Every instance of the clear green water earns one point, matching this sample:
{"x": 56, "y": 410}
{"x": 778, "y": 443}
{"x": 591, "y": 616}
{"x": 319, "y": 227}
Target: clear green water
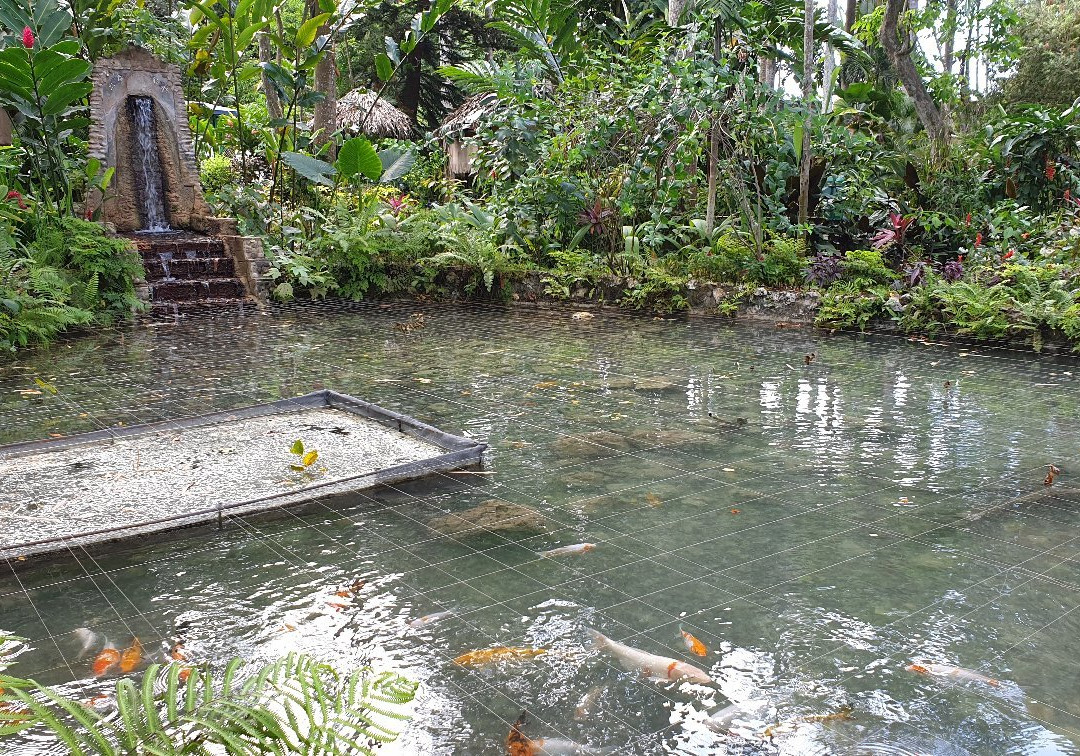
{"x": 865, "y": 517}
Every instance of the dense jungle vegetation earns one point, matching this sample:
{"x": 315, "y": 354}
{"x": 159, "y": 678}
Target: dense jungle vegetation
{"x": 910, "y": 161}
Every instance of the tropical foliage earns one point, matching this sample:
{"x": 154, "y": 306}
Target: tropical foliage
{"x": 293, "y": 705}
{"x": 636, "y": 150}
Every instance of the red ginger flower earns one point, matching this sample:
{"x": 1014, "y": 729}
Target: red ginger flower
{"x": 1009, "y": 254}
{"x": 27, "y": 37}
{"x": 1051, "y": 170}
{"x": 18, "y": 197}
{"x": 978, "y": 239}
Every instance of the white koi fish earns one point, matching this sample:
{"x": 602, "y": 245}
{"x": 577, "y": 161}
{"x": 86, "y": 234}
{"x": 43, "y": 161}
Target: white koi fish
{"x": 577, "y": 548}
{"x": 721, "y": 721}
{"x": 651, "y": 665}
{"x": 955, "y": 673}
{"x": 430, "y": 619}
{"x": 586, "y": 706}
{"x": 88, "y": 638}
{"x": 518, "y": 744}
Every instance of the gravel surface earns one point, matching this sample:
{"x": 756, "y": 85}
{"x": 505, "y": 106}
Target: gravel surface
{"x": 164, "y": 473}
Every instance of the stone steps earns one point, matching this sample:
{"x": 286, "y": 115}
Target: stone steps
{"x": 188, "y": 274}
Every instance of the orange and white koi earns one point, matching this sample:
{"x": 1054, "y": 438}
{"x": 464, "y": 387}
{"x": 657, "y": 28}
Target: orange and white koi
{"x": 651, "y": 665}
{"x": 518, "y": 744}
{"x": 430, "y": 619}
{"x": 693, "y": 645}
{"x": 951, "y": 672}
{"x": 497, "y": 654}
{"x": 106, "y": 659}
{"x": 131, "y": 656}
{"x": 577, "y": 548}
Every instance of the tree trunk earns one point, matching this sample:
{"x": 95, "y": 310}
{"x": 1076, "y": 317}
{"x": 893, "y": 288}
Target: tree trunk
{"x": 832, "y": 16}
{"x": 324, "y": 122}
{"x": 950, "y": 36}
{"x": 409, "y": 100}
{"x": 851, "y": 15}
{"x": 766, "y": 71}
{"x": 714, "y": 147}
{"x": 899, "y": 54}
{"x": 808, "y": 103}
{"x": 675, "y": 10}
{"x": 273, "y": 102}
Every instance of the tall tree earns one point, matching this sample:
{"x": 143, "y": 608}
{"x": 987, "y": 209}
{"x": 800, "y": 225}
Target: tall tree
{"x": 850, "y": 15}
{"x": 808, "y": 103}
{"x": 899, "y": 52}
{"x": 324, "y": 122}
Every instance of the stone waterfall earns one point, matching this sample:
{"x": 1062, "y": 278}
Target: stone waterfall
{"x": 147, "y": 160}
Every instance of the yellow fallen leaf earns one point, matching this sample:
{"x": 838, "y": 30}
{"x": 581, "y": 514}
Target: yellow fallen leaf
{"x": 309, "y": 459}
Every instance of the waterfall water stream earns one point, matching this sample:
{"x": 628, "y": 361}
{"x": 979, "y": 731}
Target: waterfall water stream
{"x": 148, "y": 165}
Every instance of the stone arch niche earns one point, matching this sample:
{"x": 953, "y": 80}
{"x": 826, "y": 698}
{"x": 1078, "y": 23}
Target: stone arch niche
{"x": 136, "y": 73}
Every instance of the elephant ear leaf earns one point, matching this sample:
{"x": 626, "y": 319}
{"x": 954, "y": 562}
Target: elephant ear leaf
{"x": 358, "y": 157}
{"x": 396, "y": 164}
{"x": 313, "y": 169}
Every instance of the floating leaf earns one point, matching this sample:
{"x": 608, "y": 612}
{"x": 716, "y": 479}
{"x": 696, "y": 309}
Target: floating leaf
{"x": 309, "y": 459}
{"x": 297, "y": 447}
{"x": 45, "y": 385}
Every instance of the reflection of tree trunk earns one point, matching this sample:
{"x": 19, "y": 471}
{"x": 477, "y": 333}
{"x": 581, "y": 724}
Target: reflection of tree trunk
{"x": 273, "y": 102}
{"x": 325, "y": 117}
{"x": 900, "y": 57}
{"x": 808, "y": 103}
{"x": 409, "y": 100}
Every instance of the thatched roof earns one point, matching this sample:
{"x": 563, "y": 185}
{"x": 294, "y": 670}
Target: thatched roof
{"x": 465, "y": 116}
{"x": 385, "y": 120}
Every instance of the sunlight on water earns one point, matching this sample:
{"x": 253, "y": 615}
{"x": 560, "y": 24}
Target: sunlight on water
{"x": 820, "y": 512}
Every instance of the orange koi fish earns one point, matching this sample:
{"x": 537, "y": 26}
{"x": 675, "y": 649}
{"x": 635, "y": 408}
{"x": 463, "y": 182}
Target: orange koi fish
{"x": 106, "y": 659}
{"x": 843, "y": 715}
{"x": 131, "y": 657}
{"x": 497, "y": 654}
{"x": 177, "y": 653}
{"x": 1053, "y": 473}
{"x": 693, "y": 645}
{"x": 955, "y": 673}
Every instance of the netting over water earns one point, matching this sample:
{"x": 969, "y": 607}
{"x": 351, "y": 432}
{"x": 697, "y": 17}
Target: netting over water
{"x": 819, "y": 527}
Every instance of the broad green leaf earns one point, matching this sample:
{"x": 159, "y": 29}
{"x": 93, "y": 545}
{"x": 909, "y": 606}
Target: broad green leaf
{"x": 797, "y": 140}
{"x": 63, "y": 97}
{"x": 297, "y": 447}
{"x": 70, "y": 70}
{"x": 310, "y": 168}
{"x": 395, "y": 164}
{"x": 358, "y": 157}
{"x": 309, "y": 30}
{"x": 384, "y": 67}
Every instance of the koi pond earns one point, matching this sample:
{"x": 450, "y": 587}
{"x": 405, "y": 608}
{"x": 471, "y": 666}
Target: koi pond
{"x": 862, "y": 534}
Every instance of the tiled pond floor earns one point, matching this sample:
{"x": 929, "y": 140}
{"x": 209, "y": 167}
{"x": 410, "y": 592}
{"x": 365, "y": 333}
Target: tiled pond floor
{"x": 820, "y": 511}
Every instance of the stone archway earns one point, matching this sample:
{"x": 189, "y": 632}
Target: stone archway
{"x": 137, "y": 73}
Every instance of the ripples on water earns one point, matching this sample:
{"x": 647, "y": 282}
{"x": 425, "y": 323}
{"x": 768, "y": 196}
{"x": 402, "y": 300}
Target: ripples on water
{"x": 865, "y": 516}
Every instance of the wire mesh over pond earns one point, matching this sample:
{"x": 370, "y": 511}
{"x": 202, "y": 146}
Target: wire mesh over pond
{"x": 856, "y": 529}
{"x": 126, "y": 482}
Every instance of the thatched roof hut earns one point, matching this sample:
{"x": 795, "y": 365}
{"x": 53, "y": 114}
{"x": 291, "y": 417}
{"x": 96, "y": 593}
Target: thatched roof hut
{"x": 459, "y": 124}
{"x": 385, "y": 120}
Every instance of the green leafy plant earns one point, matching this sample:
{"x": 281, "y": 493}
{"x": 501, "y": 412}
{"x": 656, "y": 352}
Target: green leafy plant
{"x": 44, "y": 80}
{"x": 293, "y": 705}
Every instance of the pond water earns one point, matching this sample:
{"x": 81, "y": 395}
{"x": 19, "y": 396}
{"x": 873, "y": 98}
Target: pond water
{"x": 818, "y": 527}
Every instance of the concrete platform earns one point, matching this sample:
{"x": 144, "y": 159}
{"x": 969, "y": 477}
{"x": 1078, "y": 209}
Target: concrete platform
{"x": 128, "y": 482}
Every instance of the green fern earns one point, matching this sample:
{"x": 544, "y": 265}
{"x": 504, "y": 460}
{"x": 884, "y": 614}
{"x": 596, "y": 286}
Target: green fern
{"x": 294, "y": 705}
